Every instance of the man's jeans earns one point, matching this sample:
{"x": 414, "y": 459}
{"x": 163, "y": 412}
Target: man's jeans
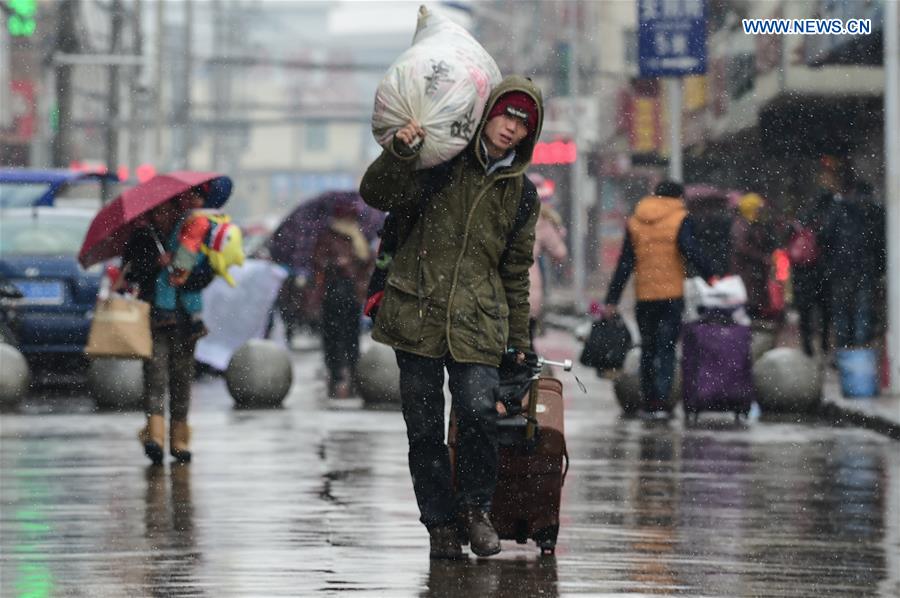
{"x": 852, "y": 312}
{"x": 422, "y": 394}
{"x": 659, "y": 323}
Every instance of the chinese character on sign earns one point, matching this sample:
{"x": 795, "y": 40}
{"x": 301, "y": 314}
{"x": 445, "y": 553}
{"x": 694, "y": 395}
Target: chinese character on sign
{"x": 671, "y": 37}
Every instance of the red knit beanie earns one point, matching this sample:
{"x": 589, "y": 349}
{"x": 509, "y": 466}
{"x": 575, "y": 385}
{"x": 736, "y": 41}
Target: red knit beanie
{"x": 519, "y": 104}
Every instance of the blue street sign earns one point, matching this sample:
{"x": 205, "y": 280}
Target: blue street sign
{"x": 671, "y": 37}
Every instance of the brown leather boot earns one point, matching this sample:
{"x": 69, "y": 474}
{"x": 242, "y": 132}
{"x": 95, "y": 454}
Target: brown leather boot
{"x": 444, "y": 543}
{"x": 153, "y": 438}
{"x": 180, "y": 441}
{"x": 482, "y": 536}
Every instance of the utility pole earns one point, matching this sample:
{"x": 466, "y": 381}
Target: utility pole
{"x": 892, "y": 182}
{"x": 67, "y": 43}
{"x": 158, "y": 78}
{"x": 137, "y": 95}
{"x": 577, "y": 168}
{"x": 676, "y": 172}
{"x": 111, "y": 132}
{"x": 218, "y": 19}
{"x": 5, "y": 77}
{"x": 182, "y": 133}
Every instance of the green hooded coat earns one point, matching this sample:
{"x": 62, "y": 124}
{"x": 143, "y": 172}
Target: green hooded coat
{"x": 459, "y": 281}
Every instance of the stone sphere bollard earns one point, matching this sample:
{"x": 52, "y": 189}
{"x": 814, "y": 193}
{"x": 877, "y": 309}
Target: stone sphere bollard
{"x": 259, "y": 374}
{"x": 761, "y": 341}
{"x": 787, "y": 380}
{"x": 116, "y": 383}
{"x": 627, "y": 383}
{"x": 378, "y": 376}
{"x": 14, "y": 375}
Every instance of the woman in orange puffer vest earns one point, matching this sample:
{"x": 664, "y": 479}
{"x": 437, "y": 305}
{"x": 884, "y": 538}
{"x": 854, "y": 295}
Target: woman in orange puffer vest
{"x": 658, "y": 239}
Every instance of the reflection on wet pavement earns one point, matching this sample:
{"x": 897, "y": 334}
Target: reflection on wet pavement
{"x": 492, "y": 577}
{"x": 315, "y": 498}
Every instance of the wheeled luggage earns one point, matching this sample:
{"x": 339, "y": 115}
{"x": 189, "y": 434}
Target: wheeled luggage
{"x": 716, "y": 367}
{"x": 533, "y": 462}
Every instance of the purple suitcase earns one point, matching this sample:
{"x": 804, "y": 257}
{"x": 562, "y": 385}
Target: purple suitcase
{"x": 716, "y": 368}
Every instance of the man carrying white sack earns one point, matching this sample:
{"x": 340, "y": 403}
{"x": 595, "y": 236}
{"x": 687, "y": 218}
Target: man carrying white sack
{"x": 457, "y": 299}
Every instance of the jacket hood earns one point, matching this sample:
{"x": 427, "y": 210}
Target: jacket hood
{"x": 654, "y": 208}
{"x": 525, "y": 149}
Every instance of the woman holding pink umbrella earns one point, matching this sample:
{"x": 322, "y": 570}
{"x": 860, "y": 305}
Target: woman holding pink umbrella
{"x": 142, "y": 226}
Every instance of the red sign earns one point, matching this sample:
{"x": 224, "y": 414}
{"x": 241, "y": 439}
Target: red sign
{"x": 24, "y": 110}
{"x": 555, "y": 152}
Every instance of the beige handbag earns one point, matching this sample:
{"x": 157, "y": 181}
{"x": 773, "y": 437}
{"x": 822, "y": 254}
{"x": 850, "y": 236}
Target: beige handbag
{"x": 120, "y": 328}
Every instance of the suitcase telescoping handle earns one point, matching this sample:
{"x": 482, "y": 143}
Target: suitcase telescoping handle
{"x": 566, "y": 364}
{"x": 534, "y": 391}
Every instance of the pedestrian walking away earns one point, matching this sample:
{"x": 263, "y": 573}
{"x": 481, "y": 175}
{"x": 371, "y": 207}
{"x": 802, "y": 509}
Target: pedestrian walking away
{"x": 812, "y": 291}
{"x": 853, "y": 244}
{"x": 658, "y": 240}
{"x": 342, "y": 257}
{"x": 753, "y": 241}
{"x": 456, "y": 299}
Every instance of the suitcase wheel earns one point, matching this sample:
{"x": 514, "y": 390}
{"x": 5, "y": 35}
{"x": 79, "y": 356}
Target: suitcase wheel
{"x": 521, "y": 536}
{"x": 545, "y": 538}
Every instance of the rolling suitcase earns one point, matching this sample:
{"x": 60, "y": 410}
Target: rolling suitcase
{"x": 716, "y": 367}
{"x": 532, "y": 467}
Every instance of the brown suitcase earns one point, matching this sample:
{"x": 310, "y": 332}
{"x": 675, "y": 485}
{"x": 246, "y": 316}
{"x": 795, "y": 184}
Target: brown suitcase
{"x": 532, "y": 468}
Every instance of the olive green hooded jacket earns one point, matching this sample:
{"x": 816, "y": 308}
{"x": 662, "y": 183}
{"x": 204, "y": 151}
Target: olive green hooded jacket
{"x": 459, "y": 281}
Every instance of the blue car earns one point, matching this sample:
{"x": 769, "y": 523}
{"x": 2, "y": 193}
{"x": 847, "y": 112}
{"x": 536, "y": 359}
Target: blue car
{"x": 24, "y": 187}
{"x": 38, "y": 253}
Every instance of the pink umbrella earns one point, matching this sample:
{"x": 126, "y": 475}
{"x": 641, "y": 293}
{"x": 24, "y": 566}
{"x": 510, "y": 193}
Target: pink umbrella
{"x": 113, "y": 224}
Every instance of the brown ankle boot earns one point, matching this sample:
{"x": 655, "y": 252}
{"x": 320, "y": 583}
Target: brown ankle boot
{"x": 153, "y": 437}
{"x": 444, "y": 543}
{"x": 180, "y": 441}
{"x": 482, "y": 536}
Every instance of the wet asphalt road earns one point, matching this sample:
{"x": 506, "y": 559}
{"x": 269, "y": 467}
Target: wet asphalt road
{"x": 315, "y": 499}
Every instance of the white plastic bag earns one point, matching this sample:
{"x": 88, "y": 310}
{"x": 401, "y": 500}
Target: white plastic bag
{"x": 237, "y": 314}
{"x": 728, "y": 292}
{"x": 442, "y": 82}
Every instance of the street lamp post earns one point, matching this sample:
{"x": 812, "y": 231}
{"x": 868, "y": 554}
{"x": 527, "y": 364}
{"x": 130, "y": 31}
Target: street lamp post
{"x": 577, "y": 169}
{"x": 892, "y": 180}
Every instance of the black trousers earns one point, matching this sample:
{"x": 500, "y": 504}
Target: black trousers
{"x": 659, "y": 323}
{"x": 812, "y": 299}
{"x": 422, "y": 395}
{"x": 341, "y": 312}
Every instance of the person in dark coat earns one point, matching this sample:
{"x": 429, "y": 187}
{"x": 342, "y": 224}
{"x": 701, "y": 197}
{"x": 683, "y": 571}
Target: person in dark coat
{"x": 342, "y": 257}
{"x": 713, "y": 220}
{"x": 658, "y": 242}
{"x": 812, "y": 292}
{"x": 751, "y": 253}
{"x": 853, "y": 242}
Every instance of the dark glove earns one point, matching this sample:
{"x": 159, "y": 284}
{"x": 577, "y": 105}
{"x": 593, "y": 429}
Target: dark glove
{"x": 511, "y": 391}
{"x": 510, "y": 365}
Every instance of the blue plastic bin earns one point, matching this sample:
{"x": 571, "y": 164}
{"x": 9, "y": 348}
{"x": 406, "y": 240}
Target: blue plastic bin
{"x": 858, "y": 369}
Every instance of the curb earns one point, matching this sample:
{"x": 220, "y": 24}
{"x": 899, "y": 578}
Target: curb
{"x": 840, "y": 415}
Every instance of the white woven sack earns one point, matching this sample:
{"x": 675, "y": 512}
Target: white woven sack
{"x": 728, "y": 292}
{"x": 442, "y": 82}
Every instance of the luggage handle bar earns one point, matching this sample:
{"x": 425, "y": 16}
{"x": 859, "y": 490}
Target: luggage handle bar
{"x": 566, "y": 364}
{"x": 531, "y": 418}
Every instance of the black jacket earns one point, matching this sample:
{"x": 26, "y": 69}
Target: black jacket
{"x": 853, "y": 239}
